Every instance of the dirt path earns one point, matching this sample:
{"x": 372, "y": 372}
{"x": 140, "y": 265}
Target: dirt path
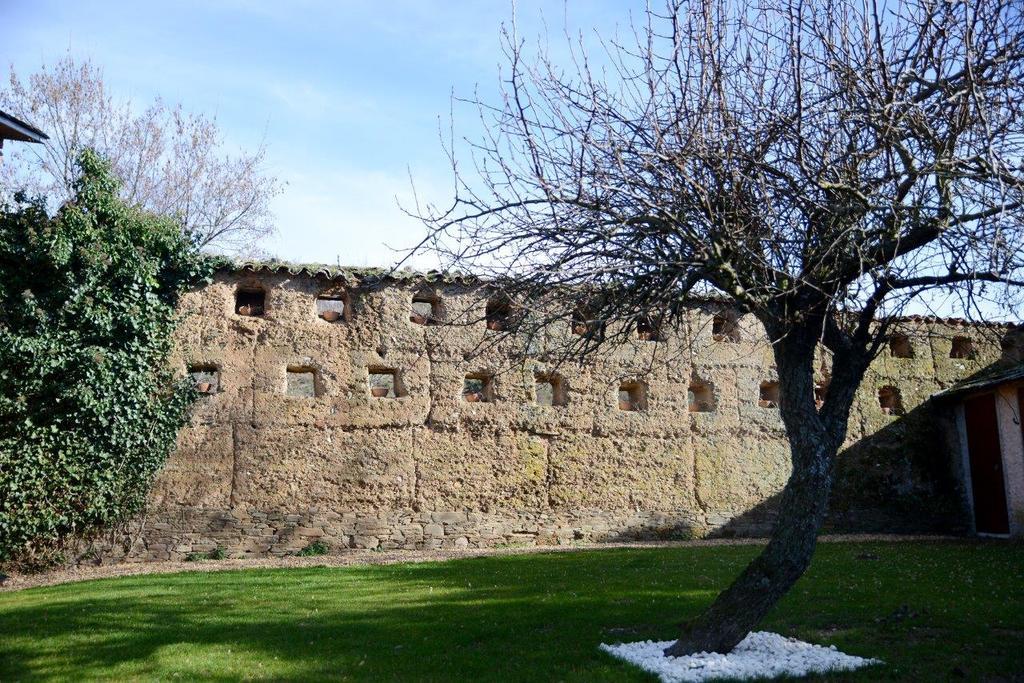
{"x": 347, "y": 558}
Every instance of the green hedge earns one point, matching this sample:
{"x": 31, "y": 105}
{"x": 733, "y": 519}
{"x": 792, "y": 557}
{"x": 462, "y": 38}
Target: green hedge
{"x": 89, "y": 407}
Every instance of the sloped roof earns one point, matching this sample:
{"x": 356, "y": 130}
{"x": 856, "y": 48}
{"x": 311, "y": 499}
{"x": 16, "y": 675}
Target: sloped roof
{"x": 991, "y": 376}
{"x": 940, "y": 320}
{"x": 13, "y": 128}
{"x": 350, "y": 274}
{"x": 363, "y": 274}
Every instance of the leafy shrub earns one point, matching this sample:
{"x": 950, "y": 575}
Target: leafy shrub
{"x": 217, "y": 553}
{"x": 313, "y": 549}
{"x": 89, "y": 407}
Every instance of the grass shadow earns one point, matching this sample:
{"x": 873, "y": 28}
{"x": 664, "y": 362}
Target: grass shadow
{"x": 528, "y": 617}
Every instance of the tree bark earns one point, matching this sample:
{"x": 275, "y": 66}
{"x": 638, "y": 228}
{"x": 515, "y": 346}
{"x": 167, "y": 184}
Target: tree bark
{"x": 814, "y": 442}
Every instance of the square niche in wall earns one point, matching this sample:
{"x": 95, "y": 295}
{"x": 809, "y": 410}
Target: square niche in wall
{"x": 301, "y": 382}
{"x": 478, "y": 388}
{"x": 700, "y": 397}
{"x": 768, "y": 395}
{"x": 963, "y": 348}
{"x": 632, "y": 396}
{"x": 205, "y": 377}
{"x": 648, "y": 329}
{"x": 426, "y": 309}
{"x": 333, "y": 308}
{"x": 250, "y": 301}
{"x": 725, "y": 327}
{"x": 498, "y": 315}
{"x": 385, "y": 383}
{"x": 583, "y": 324}
{"x": 900, "y": 346}
{"x": 550, "y": 390}
{"x": 890, "y": 401}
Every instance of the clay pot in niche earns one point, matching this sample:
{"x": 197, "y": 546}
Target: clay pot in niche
{"x": 250, "y": 310}
{"x": 379, "y": 392}
{"x": 331, "y": 316}
{"x": 496, "y": 325}
{"x": 204, "y": 387}
{"x": 418, "y": 318}
{"x": 625, "y": 405}
{"x": 472, "y": 397}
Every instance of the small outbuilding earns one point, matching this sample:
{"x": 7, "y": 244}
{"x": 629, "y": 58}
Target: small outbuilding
{"x": 987, "y": 410}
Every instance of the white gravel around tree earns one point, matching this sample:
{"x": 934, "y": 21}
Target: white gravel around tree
{"x": 760, "y": 655}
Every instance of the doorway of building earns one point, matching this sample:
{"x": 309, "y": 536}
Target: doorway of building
{"x": 986, "y": 465}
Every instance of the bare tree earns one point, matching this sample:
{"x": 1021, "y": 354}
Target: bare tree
{"x": 170, "y": 162}
{"x": 818, "y": 163}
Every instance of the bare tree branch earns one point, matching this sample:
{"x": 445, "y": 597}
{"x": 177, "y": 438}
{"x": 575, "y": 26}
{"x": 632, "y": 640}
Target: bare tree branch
{"x": 169, "y": 162}
{"x": 821, "y": 164}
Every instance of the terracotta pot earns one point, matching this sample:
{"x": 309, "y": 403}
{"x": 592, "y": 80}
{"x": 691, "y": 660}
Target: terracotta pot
{"x": 647, "y": 336}
{"x": 766, "y": 404}
{"x": 331, "y": 316}
{"x": 495, "y": 325}
{"x": 625, "y": 405}
{"x": 205, "y": 387}
{"x": 886, "y": 411}
{"x": 418, "y": 319}
{"x": 379, "y": 392}
{"x": 579, "y": 328}
{"x": 250, "y": 310}
{"x": 472, "y": 397}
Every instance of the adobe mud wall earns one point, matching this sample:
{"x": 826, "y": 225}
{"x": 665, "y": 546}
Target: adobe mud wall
{"x": 260, "y": 471}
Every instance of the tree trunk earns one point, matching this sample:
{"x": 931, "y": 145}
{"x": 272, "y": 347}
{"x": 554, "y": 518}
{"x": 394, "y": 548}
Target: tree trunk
{"x": 814, "y": 442}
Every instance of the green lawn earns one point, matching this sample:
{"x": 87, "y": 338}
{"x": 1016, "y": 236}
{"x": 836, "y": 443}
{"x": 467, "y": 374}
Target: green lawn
{"x": 932, "y": 611}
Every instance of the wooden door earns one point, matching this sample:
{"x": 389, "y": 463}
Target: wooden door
{"x": 986, "y": 461}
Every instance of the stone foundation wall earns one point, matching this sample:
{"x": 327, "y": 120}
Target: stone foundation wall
{"x": 259, "y": 471}
{"x": 252, "y": 533}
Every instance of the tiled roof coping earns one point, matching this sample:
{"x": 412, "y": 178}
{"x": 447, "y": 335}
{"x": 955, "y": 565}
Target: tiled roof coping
{"x": 363, "y": 274}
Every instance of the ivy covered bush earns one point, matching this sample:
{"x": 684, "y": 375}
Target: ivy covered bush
{"x": 89, "y": 406}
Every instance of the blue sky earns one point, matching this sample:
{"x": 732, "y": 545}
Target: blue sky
{"x": 346, "y": 95}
